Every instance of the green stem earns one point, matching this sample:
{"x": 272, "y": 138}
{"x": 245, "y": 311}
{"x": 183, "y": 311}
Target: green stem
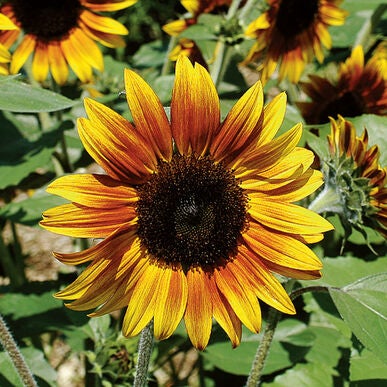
{"x": 167, "y": 62}
{"x": 10, "y": 346}
{"x": 263, "y": 348}
{"x": 315, "y": 289}
{"x": 145, "y": 347}
{"x": 246, "y": 10}
{"x": 273, "y": 318}
{"x": 222, "y": 48}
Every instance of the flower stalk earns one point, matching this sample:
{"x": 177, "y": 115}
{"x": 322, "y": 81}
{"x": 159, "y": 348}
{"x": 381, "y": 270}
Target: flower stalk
{"x": 145, "y": 347}
{"x": 10, "y": 346}
{"x": 263, "y": 348}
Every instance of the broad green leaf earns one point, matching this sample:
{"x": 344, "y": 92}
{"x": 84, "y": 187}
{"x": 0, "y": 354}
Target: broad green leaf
{"x": 29, "y": 211}
{"x": 17, "y": 96}
{"x": 291, "y": 342}
{"x": 24, "y": 149}
{"x": 39, "y": 366}
{"x": 303, "y": 375}
{"x": 341, "y": 271}
{"x": 150, "y": 55}
{"x": 363, "y": 307}
{"x": 365, "y": 366}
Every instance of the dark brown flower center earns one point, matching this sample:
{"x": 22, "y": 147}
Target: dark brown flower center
{"x": 350, "y": 104}
{"x": 191, "y": 211}
{"x": 47, "y": 19}
{"x": 295, "y": 16}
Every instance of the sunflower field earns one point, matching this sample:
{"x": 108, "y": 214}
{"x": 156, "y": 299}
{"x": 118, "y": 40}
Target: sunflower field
{"x": 193, "y": 193}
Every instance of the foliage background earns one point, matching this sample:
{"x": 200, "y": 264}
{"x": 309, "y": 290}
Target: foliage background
{"x": 336, "y": 339}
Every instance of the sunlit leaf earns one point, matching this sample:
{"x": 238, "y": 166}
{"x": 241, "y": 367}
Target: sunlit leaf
{"x": 17, "y": 96}
{"x": 366, "y": 366}
{"x": 363, "y": 306}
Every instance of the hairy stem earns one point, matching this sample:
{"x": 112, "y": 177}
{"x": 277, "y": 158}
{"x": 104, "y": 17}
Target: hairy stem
{"x": 10, "y": 346}
{"x": 145, "y": 347}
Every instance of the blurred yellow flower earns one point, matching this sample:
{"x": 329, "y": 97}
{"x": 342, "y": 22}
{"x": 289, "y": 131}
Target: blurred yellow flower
{"x": 5, "y": 56}
{"x": 292, "y": 33}
{"x": 61, "y": 34}
{"x": 360, "y": 88}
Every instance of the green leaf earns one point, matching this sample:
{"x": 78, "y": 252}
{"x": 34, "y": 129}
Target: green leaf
{"x": 150, "y": 55}
{"x": 363, "y": 307}
{"x": 39, "y": 366}
{"x": 365, "y": 366}
{"x": 17, "y": 96}
{"x": 304, "y": 375}
{"x": 23, "y": 152}
{"x": 341, "y": 271}
{"x": 291, "y": 341}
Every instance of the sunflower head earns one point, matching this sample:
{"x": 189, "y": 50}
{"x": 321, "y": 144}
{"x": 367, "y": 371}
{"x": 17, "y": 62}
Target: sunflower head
{"x": 61, "y": 34}
{"x": 354, "y": 173}
{"x": 6, "y": 24}
{"x": 292, "y": 33}
{"x": 196, "y": 214}
{"x": 360, "y": 88}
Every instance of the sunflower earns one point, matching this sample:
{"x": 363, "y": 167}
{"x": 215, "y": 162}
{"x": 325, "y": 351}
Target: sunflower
{"x": 360, "y": 89}
{"x": 5, "y": 56}
{"x": 195, "y": 214}
{"x": 353, "y": 172}
{"x": 292, "y": 33}
{"x": 62, "y": 34}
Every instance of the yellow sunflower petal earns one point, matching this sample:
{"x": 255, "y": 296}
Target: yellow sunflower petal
{"x": 143, "y": 301}
{"x": 265, "y": 157}
{"x": 87, "y": 48}
{"x": 267, "y": 287}
{"x": 191, "y": 6}
{"x": 241, "y": 126}
{"x": 115, "y": 244}
{"x": 114, "y": 144}
{"x": 79, "y": 287}
{"x": 81, "y": 68}
{"x": 282, "y": 249}
{"x": 290, "y": 167}
{"x": 148, "y": 115}
{"x": 108, "y": 5}
{"x": 291, "y": 190}
{"x": 171, "y": 304}
{"x": 241, "y": 298}
{"x": 83, "y": 222}
{"x": 58, "y": 65}
{"x": 40, "y": 62}
{"x": 292, "y": 273}
{"x": 287, "y": 217}
{"x": 195, "y": 105}
{"x": 6, "y": 23}
{"x": 102, "y": 23}
{"x": 225, "y": 315}
{"x": 99, "y": 191}
{"x": 198, "y": 314}
{"x": 175, "y": 27}
{"x": 108, "y": 40}
{"x": 5, "y": 55}
{"x": 273, "y": 116}
{"x": 22, "y": 52}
